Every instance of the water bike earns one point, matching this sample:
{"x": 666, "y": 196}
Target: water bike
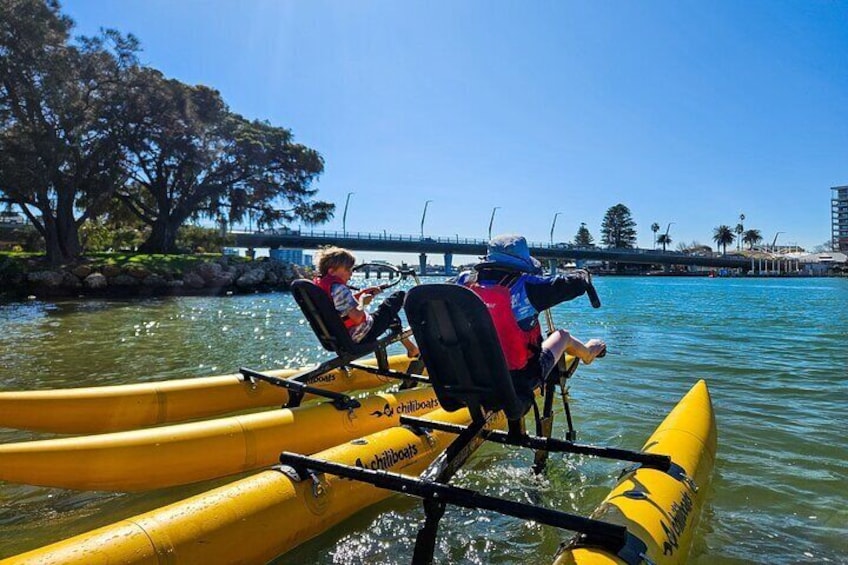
{"x": 89, "y": 410}
{"x": 649, "y": 517}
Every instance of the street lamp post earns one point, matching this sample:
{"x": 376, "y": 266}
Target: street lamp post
{"x": 552, "y": 227}
{"x": 774, "y": 241}
{"x": 423, "y": 216}
{"x": 667, "y": 228}
{"x": 491, "y": 220}
{"x": 344, "y": 215}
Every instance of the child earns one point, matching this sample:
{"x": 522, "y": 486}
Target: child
{"x": 510, "y": 282}
{"x": 335, "y": 266}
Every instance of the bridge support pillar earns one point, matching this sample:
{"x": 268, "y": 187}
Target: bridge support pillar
{"x": 422, "y": 264}
{"x": 448, "y": 263}
{"x": 552, "y": 264}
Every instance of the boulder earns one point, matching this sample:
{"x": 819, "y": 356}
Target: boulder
{"x": 125, "y": 281}
{"x": 49, "y": 279}
{"x": 154, "y": 281}
{"x": 209, "y": 271}
{"x": 193, "y": 280}
{"x": 95, "y": 281}
{"x": 136, "y": 271}
{"x": 82, "y": 271}
{"x": 251, "y": 278}
{"x": 111, "y": 271}
{"x": 70, "y": 280}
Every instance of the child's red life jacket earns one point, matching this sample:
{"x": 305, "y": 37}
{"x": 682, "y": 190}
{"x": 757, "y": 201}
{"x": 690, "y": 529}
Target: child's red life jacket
{"x": 326, "y": 283}
{"x": 518, "y": 345}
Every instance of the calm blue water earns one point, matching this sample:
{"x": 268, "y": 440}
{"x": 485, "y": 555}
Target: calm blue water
{"x": 773, "y": 352}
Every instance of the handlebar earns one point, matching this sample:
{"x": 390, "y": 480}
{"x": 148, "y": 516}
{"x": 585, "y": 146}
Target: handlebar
{"x": 402, "y": 274}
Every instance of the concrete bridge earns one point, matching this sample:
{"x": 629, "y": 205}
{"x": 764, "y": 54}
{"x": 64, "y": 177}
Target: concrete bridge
{"x": 450, "y": 246}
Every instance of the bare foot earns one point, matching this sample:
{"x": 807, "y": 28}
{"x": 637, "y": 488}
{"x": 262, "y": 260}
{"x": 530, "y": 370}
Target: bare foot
{"x": 594, "y": 348}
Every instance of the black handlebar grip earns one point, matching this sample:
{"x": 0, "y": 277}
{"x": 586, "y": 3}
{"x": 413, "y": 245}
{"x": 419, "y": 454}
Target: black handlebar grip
{"x": 593, "y": 296}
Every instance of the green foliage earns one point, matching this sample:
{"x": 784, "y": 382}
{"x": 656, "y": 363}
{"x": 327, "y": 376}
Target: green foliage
{"x": 752, "y": 237}
{"x": 191, "y": 157}
{"x": 156, "y": 263}
{"x": 664, "y": 239}
{"x": 196, "y": 238}
{"x": 723, "y": 236}
{"x": 81, "y": 122}
{"x": 583, "y": 237}
{"x": 60, "y": 119}
{"x": 105, "y": 235}
{"x": 618, "y": 229}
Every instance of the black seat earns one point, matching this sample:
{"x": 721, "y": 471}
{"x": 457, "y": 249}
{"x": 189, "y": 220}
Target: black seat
{"x": 459, "y": 345}
{"x": 325, "y": 320}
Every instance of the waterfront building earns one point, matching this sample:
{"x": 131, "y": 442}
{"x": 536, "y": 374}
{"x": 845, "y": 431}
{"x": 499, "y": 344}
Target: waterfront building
{"x": 294, "y": 256}
{"x": 839, "y": 217}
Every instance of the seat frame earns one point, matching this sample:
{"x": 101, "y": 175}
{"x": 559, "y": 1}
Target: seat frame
{"x": 319, "y": 311}
{"x": 467, "y": 369}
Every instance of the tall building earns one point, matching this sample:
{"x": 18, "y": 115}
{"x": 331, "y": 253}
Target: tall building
{"x": 839, "y": 218}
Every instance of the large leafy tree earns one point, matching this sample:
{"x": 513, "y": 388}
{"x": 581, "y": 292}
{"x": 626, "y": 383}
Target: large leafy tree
{"x": 618, "y": 229}
{"x": 61, "y": 121}
{"x": 723, "y": 236}
{"x": 191, "y": 157}
{"x": 583, "y": 237}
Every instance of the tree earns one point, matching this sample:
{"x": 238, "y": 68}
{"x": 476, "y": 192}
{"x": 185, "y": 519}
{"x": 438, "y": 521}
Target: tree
{"x": 664, "y": 240}
{"x": 618, "y": 229}
{"x": 722, "y": 236}
{"x": 60, "y": 120}
{"x": 752, "y": 237}
{"x": 740, "y": 229}
{"x": 583, "y": 236}
{"x": 190, "y": 157}
{"x": 655, "y": 227}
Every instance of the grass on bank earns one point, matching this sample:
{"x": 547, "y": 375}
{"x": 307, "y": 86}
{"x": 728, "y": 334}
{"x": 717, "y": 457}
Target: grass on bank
{"x": 22, "y": 261}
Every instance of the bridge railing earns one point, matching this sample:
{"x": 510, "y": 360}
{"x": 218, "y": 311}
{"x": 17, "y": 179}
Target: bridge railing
{"x": 324, "y": 234}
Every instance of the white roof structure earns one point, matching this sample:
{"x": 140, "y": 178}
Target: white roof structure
{"x": 825, "y": 257}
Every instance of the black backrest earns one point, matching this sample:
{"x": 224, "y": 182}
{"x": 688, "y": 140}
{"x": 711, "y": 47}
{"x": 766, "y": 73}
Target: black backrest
{"x": 324, "y": 319}
{"x": 460, "y": 347}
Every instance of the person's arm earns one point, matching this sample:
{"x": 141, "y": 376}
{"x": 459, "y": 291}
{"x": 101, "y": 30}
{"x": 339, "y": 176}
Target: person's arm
{"x": 546, "y": 292}
{"x": 347, "y": 304}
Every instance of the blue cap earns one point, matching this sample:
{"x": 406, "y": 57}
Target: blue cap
{"x": 511, "y": 252}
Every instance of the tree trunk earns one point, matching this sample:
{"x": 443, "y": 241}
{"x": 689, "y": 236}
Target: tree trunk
{"x": 163, "y": 237}
{"x": 61, "y": 239}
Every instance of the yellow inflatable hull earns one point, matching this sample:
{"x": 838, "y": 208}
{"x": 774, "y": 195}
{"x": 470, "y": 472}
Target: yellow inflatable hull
{"x": 93, "y": 410}
{"x": 660, "y": 510}
{"x": 186, "y": 453}
{"x": 255, "y": 519}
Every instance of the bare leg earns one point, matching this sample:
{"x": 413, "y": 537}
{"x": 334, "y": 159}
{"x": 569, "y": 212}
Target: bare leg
{"x": 411, "y": 348}
{"x": 561, "y": 342}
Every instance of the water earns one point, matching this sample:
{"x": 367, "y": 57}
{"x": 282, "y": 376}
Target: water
{"x": 773, "y": 352}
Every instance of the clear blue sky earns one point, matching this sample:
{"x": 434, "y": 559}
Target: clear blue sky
{"x": 686, "y": 112}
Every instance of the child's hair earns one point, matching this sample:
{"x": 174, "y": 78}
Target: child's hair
{"x": 333, "y": 258}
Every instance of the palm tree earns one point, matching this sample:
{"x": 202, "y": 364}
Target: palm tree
{"x": 752, "y": 237}
{"x": 723, "y": 235}
{"x": 655, "y": 227}
{"x": 664, "y": 239}
{"x": 740, "y": 229}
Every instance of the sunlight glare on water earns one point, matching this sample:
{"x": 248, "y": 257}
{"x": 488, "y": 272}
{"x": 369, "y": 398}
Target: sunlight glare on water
{"x": 772, "y": 352}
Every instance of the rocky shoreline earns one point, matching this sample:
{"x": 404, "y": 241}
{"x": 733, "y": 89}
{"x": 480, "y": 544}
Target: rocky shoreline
{"x": 215, "y": 277}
